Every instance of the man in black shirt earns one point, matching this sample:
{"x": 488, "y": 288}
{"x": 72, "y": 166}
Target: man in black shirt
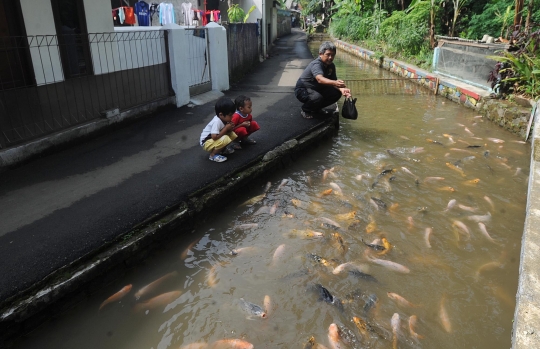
{"x": 318, "y": 86}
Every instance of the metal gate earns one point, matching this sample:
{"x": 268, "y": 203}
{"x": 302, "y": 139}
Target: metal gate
{"x": 198, "y": 61}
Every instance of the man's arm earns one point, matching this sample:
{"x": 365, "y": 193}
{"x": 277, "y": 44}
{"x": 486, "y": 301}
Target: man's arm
{"x": 338, "y": 84}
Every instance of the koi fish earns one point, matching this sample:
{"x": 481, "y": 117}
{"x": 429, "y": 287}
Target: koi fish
{"x": 495, "y": 140}
{"x": 472, "y": 181}
{"x": 350, "y": 266}
{"x": 198, "y": 345}
{"x": 334, "y": 337}
{"x": 412, "y": 325}
{"x": 411, "y": 222}
{"x": 267, "y": 304}
{"x": 450, "y": 205}
{"x": 387, "y": 247}
{"x": 401, "y": 301}
{"x": 443, "y": 316}
{"x": 380, "y": 204}
{"x": 328, "y": 172}
{"x": 242, "y": 250}
{"x": 346, "y": 216}
{"x": 246, "y": 226}
{"x": 282, "y": 184}
{"x": 326, "y": 296}
{"x": 328, "y": 221}
{"x": 337, "y": 188}
{"x": 462, "y": 228}
{"x": 484, "y": 231}
{"x": 211, "y": 277}
{"x": 433, "y": 141}
{"x": 253, "y": 310}
{"x": 325, "y": 193}
{"x": 307, "y": 234}
{"x": 427, "y": 235}
{"x": 231, "y": 344}
{"x": 468, "y": 131}
{"x": 297, "y": 203}
{"x": 371, "y": 227}
{"x": 340, "y": 241}
{"x": 153, "y": 286}
{"x": 310, "y": 343}
{"x": 480, "y": 218}
{"x": 274, "y": 208}
{"x": 160, "y": 301}
{"x": 489, "y": 202}
{"x": 188, "y": 249}
{"x": 318, "y": 259}
{"x": 467, "y": 208}
{"x": 447, "y": 188}
{"x": 395, "y": 322}
{"x": 488, "y": 267}
{"x": 278, "y": 253}
{"x": 262, "y": 210}
{"x": 374, "y": 245}
{"x": 117, "y": 296}
{"x": 253, "y": 200}
{"x": 455, "y": 168}
{"x": 433, "y": 179}
{"x": 389, "y": 265}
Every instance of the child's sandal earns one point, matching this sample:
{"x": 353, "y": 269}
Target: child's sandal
{"x": 217, "y": 158}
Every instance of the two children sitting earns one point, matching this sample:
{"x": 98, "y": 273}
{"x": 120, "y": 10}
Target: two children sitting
{"x": 231, "y": 127}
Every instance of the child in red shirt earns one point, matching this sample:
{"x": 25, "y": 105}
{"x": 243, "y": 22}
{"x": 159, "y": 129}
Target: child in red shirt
{"x": 243, "y": 120}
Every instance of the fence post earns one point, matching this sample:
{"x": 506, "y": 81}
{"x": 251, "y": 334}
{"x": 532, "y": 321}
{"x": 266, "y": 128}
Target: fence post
{"x": 219, "y": 57}
{"x": 178, "y": 61}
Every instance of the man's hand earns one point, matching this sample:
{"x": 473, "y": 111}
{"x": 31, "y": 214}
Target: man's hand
{"x": 346, "y": 92}
{"x": 339, "y": 84}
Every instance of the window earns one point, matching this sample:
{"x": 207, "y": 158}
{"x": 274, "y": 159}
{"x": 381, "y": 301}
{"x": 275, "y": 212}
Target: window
{"x": 70, "y": 21}
{"x": 15, "y": 66}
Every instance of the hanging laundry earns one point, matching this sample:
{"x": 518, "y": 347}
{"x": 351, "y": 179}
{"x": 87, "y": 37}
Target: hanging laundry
{"x": 130, "y": 15}
{"x": 187, "y": 13}
{"x": 121, "y": 15}
{"x": 142, "y": 10}
{"x": 166, "y": 13}
{"x": 154, "y": 13}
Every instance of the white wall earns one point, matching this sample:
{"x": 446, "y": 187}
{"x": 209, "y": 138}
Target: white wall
{"x": 98, "y": 15}
{"x": 257, "y": 13}
{"x": 274, "y": 24}
{"x": 219, "y": 57}
{"x": 39, "y": 20}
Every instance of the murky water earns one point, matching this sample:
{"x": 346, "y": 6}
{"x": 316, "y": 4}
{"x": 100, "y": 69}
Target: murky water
{"x": 461, "y": 285}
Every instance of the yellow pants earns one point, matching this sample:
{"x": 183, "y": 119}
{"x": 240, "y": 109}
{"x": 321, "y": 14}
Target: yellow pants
{"x": 210, "y": 144}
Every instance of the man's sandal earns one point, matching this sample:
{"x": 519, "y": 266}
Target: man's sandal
{"x": 306, "y": 115}
{"x": 217, "y": 158}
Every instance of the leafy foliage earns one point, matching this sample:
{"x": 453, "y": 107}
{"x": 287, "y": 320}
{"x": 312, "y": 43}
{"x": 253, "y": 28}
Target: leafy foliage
{"x": 237, "y": 14}
{"x": 523, "y": 65}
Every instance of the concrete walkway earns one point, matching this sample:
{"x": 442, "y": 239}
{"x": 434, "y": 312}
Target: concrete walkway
{"x": 63, "y": 209}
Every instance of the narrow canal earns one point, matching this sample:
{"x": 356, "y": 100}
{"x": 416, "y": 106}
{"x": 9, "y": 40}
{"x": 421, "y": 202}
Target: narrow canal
{"x": 437, "y": 192}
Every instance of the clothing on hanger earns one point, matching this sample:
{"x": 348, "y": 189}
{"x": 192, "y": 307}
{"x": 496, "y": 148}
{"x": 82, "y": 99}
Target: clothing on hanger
{"x": 130, "y": 15}
{"x": 121, "y": 15}
{"x": 166, "y": 13}
{"x": 187, "y": 13}
{"x": 154, "y": 11}
{"x": 142, "y": 11}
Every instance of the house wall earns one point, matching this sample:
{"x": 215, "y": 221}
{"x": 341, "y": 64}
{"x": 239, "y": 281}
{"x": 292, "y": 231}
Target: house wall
{"x": 39, "y": 20}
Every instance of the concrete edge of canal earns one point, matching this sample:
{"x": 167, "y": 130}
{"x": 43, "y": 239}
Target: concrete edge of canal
{"x": 526, "y": 329}
{"x": 70, "y": 285}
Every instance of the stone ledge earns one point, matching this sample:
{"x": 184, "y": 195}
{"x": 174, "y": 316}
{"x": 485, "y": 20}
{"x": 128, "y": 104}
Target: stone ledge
{"x": 526, "y": 330}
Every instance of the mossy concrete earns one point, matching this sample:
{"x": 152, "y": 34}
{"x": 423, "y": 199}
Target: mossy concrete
{"x": 526, "y": 331}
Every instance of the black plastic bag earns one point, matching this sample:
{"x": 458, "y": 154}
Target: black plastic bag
{"x": 349, "y": 109}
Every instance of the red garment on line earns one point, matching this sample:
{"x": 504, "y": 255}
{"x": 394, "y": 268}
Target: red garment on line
{"x": 130, "y": 15}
